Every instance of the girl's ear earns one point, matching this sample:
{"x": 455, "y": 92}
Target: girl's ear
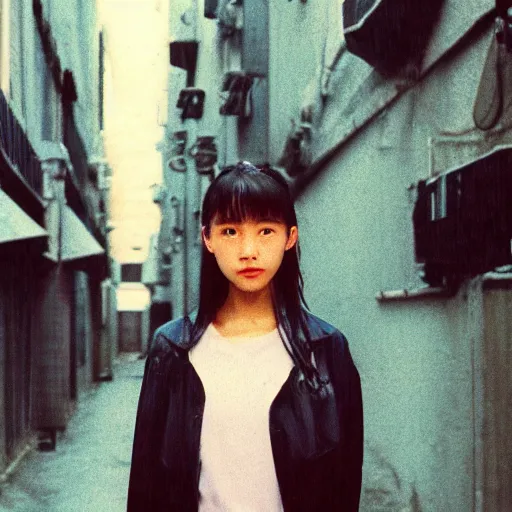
{"x": 206, "y": 241}
{"x": 292, "y": 238}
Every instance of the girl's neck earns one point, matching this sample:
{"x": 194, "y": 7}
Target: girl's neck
{"x": 246, "y": 314}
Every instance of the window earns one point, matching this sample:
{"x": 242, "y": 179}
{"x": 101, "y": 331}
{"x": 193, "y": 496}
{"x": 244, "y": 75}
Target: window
{"x": 131, "y": 272}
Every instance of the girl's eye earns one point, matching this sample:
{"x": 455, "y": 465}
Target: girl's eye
{"x": 229, "y": 231}
{"x": 267, "y": 231}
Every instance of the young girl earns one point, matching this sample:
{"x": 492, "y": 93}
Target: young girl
{"x": 253, "y": 404}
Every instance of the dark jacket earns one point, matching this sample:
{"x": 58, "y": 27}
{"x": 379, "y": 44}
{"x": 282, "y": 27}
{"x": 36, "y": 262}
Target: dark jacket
{"x": 317, "y": 438}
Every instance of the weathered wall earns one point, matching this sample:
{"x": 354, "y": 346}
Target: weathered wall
{"x": 74, "y": 26}
{"x": 215, "y": 57}
{"x": 303, "y": 38}
{"x": 415, "y": 357}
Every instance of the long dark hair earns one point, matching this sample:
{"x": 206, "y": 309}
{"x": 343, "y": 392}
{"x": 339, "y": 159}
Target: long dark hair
{"x": 245, "y": 192}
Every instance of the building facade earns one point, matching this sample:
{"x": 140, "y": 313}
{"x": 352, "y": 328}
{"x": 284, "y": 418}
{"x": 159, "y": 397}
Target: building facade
{"x": 53, "y": 324}
{"x": 397, "y": 145}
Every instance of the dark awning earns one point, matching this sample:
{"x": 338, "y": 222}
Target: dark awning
{"x": 15, "y": 224}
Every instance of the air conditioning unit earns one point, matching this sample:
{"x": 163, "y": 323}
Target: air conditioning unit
{"x": 463, "y": 219}
{"x": 389, "y": 34}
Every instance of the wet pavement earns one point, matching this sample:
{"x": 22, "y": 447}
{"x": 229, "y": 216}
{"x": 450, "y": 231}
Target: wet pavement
{"x": 88, "y": 471}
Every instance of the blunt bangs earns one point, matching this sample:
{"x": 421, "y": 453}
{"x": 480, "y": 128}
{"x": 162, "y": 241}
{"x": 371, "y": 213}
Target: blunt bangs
{"x": 245, "y": 194}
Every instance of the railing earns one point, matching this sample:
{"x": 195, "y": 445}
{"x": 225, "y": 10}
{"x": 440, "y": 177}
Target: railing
{"x": 16, "y": 147}
{"x": 80, "y": 192}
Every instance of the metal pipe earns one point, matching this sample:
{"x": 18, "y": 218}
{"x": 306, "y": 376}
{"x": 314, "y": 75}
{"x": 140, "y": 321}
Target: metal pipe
{"x": 417, "y": 293}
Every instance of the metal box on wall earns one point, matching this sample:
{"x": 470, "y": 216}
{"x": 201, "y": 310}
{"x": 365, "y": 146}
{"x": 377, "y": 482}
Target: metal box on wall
{"x": 463, "y": 219}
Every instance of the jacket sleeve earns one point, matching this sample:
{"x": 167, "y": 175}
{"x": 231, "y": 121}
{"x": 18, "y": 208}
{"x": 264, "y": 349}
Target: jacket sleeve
{"x": 349, "y": 393}
{"x": 146, "y": 478}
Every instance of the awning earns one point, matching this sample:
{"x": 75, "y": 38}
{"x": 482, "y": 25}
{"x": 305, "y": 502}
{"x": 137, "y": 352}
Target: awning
{"x": 77, "y": 242}
{"x": 15, "y": 224}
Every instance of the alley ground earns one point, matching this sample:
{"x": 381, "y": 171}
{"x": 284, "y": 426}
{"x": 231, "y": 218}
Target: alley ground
{"x": 88, "y": 471}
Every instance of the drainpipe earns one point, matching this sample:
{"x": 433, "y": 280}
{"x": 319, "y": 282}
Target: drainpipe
{"x": 185, "y": 233}
{"x": 190, "y": 125}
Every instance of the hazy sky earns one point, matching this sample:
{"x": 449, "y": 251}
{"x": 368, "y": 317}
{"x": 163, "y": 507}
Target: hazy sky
{"x": 136, "y": 38}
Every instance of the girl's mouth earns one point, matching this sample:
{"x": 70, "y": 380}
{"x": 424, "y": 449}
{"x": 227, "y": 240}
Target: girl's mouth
{"x": 251, "y": 273}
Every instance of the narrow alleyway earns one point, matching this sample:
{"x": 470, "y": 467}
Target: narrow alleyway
{"x": 88, "y": 472}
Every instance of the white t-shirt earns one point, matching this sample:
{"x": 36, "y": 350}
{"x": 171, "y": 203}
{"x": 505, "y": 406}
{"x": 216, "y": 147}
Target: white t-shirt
{"x": 240, "y": 379}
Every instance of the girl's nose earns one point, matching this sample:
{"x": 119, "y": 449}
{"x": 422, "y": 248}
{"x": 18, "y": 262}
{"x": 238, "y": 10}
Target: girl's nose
{"x": 248, "y": 248}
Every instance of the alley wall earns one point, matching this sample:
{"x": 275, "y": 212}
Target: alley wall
{"x": 416, "y": 356}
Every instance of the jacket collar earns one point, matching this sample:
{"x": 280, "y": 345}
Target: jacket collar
{"x": 180, "y": 332}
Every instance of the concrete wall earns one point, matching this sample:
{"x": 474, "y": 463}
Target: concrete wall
{"x": 26, "y": 60}
{"x": 73, "y": 26}
{"x": 415, "y": 357}
{"x": 302, "y": 39}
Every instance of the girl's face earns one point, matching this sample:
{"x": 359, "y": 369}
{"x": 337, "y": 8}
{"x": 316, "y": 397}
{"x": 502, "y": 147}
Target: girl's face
{"x": 249, "y": 253}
